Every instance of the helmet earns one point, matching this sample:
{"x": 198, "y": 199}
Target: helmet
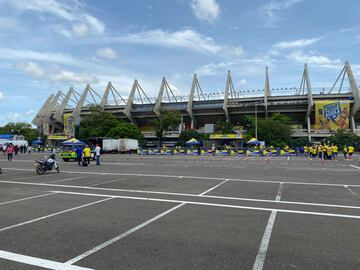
{"x": 52, "y": 156}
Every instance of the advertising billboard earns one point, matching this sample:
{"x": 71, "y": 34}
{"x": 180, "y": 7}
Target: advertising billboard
{"x": 332, "y": 115}
{"x": 69, "y": 125}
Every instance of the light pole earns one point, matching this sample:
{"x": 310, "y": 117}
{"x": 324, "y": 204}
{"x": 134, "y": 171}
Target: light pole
{"x": 255, "y": 121}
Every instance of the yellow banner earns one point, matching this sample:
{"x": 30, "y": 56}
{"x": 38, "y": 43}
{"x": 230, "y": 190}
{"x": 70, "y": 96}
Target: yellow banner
{"x": 57, "y": 137}
{"x": 69, "y": 125}
{"x": 225, "y": 136}
{"x": 332, "y": 115}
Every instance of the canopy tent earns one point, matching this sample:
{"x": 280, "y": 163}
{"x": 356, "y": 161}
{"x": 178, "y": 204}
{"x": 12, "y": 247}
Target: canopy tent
{"x": 37, "y": 142}
{"x": 73, "y": 141}
{"x": 253, "y": 141}
{"x": 193, "y": 141}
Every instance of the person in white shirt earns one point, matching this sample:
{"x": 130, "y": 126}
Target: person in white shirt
{"x": 97, "y": 154}
{"x": 29, "y": 149}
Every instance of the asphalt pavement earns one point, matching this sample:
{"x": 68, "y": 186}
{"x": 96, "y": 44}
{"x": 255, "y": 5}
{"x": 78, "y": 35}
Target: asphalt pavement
{"x": 181, "y": 212}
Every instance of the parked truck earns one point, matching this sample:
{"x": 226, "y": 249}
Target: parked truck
{"x": 128, "y": 145}
{"x": 110, "y": 145}
{"x": 120, "y": 145}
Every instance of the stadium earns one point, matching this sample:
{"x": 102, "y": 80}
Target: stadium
{"x": 200, "y": 110}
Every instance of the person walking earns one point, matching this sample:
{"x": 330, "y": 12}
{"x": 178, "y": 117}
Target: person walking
{"x": 345, "y": 150}
{"x": 87, "y": 154}
{"x": 10, "y": 152}
{"x": 29, "y": 149}
{"x": 79, "y": 155}
{"x": 351, "y": 151}
{"x": 97, "y": 154}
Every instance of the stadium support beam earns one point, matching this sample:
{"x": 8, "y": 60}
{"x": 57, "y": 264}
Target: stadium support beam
{"x": 52, "y": 107}
{"x": 60, "y": 111}
{"x": 105, "y": 97}
{"x": 129, "y": 103}
{"x": 267, "y": 92}
{"x": 165, "y": 87}
{"x": 355, "y": 91}
{"x": 194, "y": 86}
{"x": 305, "y": 82}
{"x": 38, "y": 119}
{"x": 229, "y": 89}
{"x": 79, "y": 105}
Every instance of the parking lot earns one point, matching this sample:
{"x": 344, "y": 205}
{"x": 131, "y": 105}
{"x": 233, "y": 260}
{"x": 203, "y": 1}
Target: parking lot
{"x": 181, "y": 212}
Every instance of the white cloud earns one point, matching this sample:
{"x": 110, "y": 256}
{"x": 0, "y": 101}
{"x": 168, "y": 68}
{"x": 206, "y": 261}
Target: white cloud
{"x": 300, "y": 43}
{"x": 1, "y": 96}
{"x": 314, "y": 59}
{"x": 54, "y": 57}
{"x": 187, "y": 38}
{"x": 205, "y": 10}
{"x": 242, "y": 82}
{"x": 213, "y": 68}
{"x": 29, "y": 113}
{"x": 107, "y": 53}
{"x": 81, "y": 23}
{"x": 271, "y": 12}
{"x": 55, "y": 74}
{"x": 13, "y": 116}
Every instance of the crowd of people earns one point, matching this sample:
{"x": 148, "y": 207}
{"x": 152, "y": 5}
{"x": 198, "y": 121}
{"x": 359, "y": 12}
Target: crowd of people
{"x": 83, "y": 155}
{"x": 327, "y": 151}
{"x": 12, "y": 150}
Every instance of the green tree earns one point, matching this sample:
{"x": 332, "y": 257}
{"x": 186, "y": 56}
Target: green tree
{"x": 21, "y": 128}
{"x": 167, "y": 120}
{"x": 343, "y": 137}
{"x": 274, "y": 130}
{"x": 126, "y": 130}
{"x": 224, "y": 127}
{"x": 97, "y": 124}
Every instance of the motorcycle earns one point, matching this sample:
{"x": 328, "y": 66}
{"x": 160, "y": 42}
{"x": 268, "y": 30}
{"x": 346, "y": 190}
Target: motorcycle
{"x": 46, "y": 165}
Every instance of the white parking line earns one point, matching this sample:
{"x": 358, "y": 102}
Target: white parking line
{"x": 68, "y": 179}
{"x": 211, "y": 189}
{"x": 53, "y": 214}
{"x": 349, "y": 189}
{"x": 260, "y": 258}
{"x": 356, "y": 167}
{"x": 200, "y": 177}
{"x": 117, "y": 238}
{"x": 214, "y": 205}
{"x": 185, "y": 194}
{"x": 113, "y": 240}
{"x": 38, "y": 262}
{"x": 108, "y": 182}
{"x": 27, "y": 198}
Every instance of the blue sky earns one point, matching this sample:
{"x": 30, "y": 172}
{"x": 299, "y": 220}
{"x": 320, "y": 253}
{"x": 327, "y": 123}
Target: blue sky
{"x": 50, "y": 45}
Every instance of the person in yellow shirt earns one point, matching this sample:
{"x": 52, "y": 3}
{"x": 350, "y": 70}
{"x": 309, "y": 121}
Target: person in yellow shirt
{"x": 351, "y": 151}
{"x": 345, "y": 150}
{"x": 306, "y": 151}
{"x": 335, "y": 149}
{"x": 320, "y": 151}
{"x": 87, "y": 154}
{"x": 329, "y": 152}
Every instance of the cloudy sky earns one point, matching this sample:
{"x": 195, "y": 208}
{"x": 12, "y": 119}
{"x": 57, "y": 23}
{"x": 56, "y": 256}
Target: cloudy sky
{"x": 50, "y": 45}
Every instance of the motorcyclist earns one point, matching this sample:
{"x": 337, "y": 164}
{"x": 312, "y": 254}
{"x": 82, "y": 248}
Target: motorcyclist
{"x": 51, "y": 162}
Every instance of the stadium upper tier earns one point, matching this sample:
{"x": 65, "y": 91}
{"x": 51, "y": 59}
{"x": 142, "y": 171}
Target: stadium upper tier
{"x": 199, "y": 107}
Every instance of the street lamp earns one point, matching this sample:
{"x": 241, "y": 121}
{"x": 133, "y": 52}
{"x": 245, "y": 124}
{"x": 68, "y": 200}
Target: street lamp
{"x": 255, "y": 120}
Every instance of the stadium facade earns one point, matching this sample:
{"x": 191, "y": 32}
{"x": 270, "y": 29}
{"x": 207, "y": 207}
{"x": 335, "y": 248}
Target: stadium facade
{"x": 199, "y": 108}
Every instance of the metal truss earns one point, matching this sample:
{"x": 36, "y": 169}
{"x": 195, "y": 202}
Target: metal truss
{"x": 164, "y": 89}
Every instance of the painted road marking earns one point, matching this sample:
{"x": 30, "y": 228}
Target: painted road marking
{"x": 27, "y": 198}
{"x": 214, "y": 204}
{"x": 52, "y": 215}
{"x": 107, "y": 182}
{"x": 260, "y": 258}
{"x": 356, "y": 167}
{"x": 111, "y": 241}
{"x": 117, "y": 238}
{"x": 198, "y": 177}
{"x": 211, "y": 189}
{"x": 68, "y": 179}
{"x": 186, "y": 194}
{"x": 349, "y": 189}
{"x": 38, "y": 262}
